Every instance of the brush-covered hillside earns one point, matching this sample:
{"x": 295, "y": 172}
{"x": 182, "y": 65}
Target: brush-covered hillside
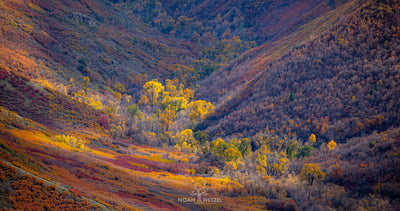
{"x": 59, "y": 40}
{"x": 115, "y": 41}
{"x": 340, "y": 84}
{"x": 199, "y": 105}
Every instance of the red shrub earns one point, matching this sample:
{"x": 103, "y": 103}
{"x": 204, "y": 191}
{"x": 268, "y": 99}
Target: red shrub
{"x": 104, "y": 121}
{"x": 4, "y": 74}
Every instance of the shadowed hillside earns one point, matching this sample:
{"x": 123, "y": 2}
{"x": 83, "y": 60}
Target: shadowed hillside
{"x": 338, "y": 85}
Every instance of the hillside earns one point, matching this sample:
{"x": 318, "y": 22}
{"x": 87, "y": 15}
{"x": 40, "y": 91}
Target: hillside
{"x": 82, "y": 169}
{"x": 97, "y": 39}
{"x": 338, "y": 85}
{"x": 252, "y": 20}
{"x": 199, "y": 105}
{"x": 115, "y": 41}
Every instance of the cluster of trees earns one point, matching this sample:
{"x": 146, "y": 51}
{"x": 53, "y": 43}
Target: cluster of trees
{"x": 265, "y": 155}
{"x": 343, "y": 176}
{"x": 222, "y": 35}
{"x": 262, "y": 161}
{"x": 77, "y": 55}
{"x": 49, "y": 106}
{"x": 165, "y": 114}
{"x": 191, "y": 19}
{"x": 70, "y": 141}
{"x": 232, "y": 151}
{"x": 211, "y": 44}
{"x": 367, "y": 165}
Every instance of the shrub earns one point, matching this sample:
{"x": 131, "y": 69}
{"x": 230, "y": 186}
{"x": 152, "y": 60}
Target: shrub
{"x": 69, "y": 140}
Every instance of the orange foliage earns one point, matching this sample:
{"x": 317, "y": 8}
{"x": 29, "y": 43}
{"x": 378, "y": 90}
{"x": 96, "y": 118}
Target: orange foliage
{"x": 19, "y": 61}
{"x": 30, "y": 193}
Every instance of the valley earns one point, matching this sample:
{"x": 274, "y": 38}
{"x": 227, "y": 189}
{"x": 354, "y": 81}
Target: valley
{"x": 199, "y": 105}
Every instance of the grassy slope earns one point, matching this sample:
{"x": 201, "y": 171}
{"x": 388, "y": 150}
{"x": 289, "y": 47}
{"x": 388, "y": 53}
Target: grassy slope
{"x": 133, "y": 177}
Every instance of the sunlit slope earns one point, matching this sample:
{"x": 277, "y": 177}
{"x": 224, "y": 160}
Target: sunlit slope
{"x": 114, "y": 178}
{"x": 59, "y": 40}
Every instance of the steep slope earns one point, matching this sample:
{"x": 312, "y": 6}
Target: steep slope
{"x": 112, "y": 41}
{"x": 235, "y": 75}
{"x": 45, "y": 106}
{"x": 70, "y": 39}
{"x": 340, "y": 84}
{"x": 222, "y": 30}
{"x": 252, "y": 20}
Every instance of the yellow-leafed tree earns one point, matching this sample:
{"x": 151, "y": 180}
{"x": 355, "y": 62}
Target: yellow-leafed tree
{"x": 232, "y": 154}
{"x": 186, "y": 142}
{"x": 167, "y": 117}
{"x": 199, "y": 109}
{"x": 311, "y": 172}
{"x": 96, "y": 104}
{"x": 174, "y": 103}
{"x": 218, "y": 147}
{"x": 332, "y": 144}
{"x": 153, "y": 90}
{"x": 312, "y": 139}
{"x": 170, "y": 87}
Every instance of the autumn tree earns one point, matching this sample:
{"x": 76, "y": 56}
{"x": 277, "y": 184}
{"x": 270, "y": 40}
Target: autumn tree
{"x": 167, "y": 117}
{"x": 185, "y": 92}
{"x": 153, "y": 91}
{"x": 305, "y": 151}
{"x": 166, "y": 137}
{"x": 199, "y": 109}
{"x": 292, "y": 149}
{"x": 69, "y": 140}
{"x": 202, "y": 137}
{"x": 176, "y": 99}
{"x": 218, "y": 147}
{"x": 269, "y": 162}
{"x": 185, "y": 141}
{"x": 312, "y": 139}
{"x": 245, "y": 146}
{"x": 86, "y": 83}
{"x": 174, "y": 103}
{"x": 229, "y": 152}
{"x": 119, "y": 88}
{"x": 242, "y": 145}
{"x": 232, "y": 154}
{"x": 332, "y": 144}
{"x": 311, "y": 172}
{"x": 170, "y": 87}
{"x": 134, "y": 111}
{"x": 96, "y": 104}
